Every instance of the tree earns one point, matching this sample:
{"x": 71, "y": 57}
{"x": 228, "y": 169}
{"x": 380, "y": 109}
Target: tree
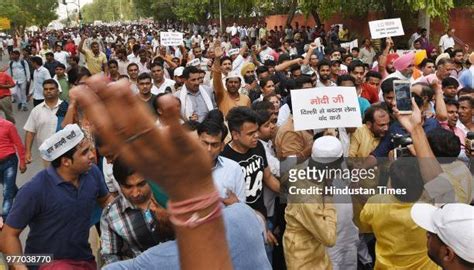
{"x": 24, "y": 13}
{"x": 108, "y": 11}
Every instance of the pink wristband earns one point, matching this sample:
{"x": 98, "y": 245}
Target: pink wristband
{"x": 194, "y": 205}
{"x": 194, "y": 221}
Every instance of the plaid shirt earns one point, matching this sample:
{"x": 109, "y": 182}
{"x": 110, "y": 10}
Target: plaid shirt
{"x": 126, "y": 233}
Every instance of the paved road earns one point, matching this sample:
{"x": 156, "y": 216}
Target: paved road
{"x": 36, "y": 165}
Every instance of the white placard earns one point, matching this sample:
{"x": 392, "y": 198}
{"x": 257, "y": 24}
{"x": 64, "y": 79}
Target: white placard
{"x": 386, "y": 28}
{"x": 195, "y": 62}
{"x": 402, "y": 52}
{"x": 325, "y": 107}
{"x": 171, "y": 38}
{"x": 350, "y": 45}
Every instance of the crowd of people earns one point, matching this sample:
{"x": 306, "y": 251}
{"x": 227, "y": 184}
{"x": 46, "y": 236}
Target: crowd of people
{"x": 181, "y": 156}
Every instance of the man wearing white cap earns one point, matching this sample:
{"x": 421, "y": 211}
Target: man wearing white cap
{"x": 227, "y": 97}
{"x": 57, "y": 203}
{"x": 178, "y": 78}
{"x": 311, "y": 219}
{"x": 450, "y": 233}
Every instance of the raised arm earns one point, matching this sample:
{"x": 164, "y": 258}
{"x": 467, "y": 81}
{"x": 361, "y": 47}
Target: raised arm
{"x": 441, "y": 110}
{"x": 81, "y": 44}
{"x": 311, "y": 48}
{"x": 217, "y": 73}
{"x": 287, "y": 64}
{"x": 125, "y": 123}
{"x": 429, "y": 165}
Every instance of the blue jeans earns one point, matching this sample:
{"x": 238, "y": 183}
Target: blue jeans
{"x": 8, "y": 169}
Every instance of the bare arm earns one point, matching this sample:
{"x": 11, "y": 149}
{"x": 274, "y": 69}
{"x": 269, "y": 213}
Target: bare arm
{"x": 383, "y": 58}
{"x": 10, "y": 243}
{"x": 70, "y": 117}
{"x": 441, "y": 110}
{"x": 270, "y": 180}
{"x": 217, "y": 73}
{"x": 311, "y": 48}
{"x": 429, "y": 165}
{"x": 29, "y": 137}
{"x": 217, "y": 80}
{"x": 287, "y": 64}
{"x": 104, "y": 201}
{"x": 109, "y": 106}
{"x": 81, "y": 45}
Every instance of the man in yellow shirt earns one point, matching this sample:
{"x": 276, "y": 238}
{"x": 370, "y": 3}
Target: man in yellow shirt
{"x": 366, "y": 138}
{"x": 400, "y": 242}
{"x": 95, "y": 59}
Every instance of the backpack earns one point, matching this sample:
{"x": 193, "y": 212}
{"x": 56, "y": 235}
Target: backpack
{"x": 22, "y": 64}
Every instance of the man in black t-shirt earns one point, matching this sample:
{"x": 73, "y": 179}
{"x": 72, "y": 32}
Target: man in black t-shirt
{"x": 246, "y": 150}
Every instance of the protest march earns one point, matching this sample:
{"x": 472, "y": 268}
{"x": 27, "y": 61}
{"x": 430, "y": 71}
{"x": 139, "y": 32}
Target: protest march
{"x": 174, "y": 146}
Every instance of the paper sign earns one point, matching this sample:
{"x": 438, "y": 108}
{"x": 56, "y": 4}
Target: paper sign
{"x": 386, "y": 28}
{"x": 402, "y": 52}
{"x": 350, "y": 45}
{"x": 171, "y": 38}
{"x": 195, "y": 62}
{"x": 325, "y": 107}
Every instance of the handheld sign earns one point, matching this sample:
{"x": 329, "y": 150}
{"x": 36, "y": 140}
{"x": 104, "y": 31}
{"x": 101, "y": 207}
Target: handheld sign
{"x": 195, "y": 62}
{"x": 171, "y": 38}
{"x": 386, "y": 28}
{"x": 325, "y": 107}
{"x": 350, "y": 45}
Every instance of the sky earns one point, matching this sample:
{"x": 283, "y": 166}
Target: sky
{"x": 61, "y": 11}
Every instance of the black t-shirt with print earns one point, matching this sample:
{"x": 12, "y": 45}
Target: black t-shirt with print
{"x": 253, "y": 164}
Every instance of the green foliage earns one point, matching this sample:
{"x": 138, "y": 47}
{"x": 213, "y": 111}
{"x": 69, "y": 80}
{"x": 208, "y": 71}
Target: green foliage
{"x": 199, "y": 11}
{"x": 27, "y": 12}
{"x": 108, "y": 11}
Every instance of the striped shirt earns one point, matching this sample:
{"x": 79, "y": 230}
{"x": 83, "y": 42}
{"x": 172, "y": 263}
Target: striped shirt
{"x": 127, "y": 231}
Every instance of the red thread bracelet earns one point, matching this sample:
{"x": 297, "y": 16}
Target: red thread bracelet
{"x": 192, "y": 206}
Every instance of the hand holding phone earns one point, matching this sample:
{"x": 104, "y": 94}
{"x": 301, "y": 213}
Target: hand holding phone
{"x": 403, "y": 96}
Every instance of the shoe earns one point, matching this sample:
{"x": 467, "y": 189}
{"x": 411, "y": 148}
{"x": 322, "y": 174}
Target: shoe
{"x": 13, "y": 101}
{"x": 19, "y": 106}
{"x": 24, "y": 108}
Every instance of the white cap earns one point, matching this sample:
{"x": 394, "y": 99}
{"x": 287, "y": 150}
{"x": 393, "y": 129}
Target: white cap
{"x": 233, "y": 74}
{"x": 442, "y": 56}
{"x": 178, "y": 71}
{"x": 453, "y": 224}
{"x": 233, "y": 51}
{"x": 61, "y": 142}
{"x": 326, "y": 149}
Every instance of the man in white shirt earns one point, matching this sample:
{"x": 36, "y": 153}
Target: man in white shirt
{"x": 40, "y": 75}
{"x": 160, "y": 83}
{"x": 447, "y": 41}
{"x": 42, "y": 121}
{"x": 60, "y": 55}
{"x": 133, "y": 57}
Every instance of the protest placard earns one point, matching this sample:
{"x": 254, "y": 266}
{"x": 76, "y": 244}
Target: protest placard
{"x": 402, "y": 52}
{"x": 171, "y": 38}
{"x": 325, "y": 107}
{"x": 350, "y": 45}
{"x": 386, "y": 28}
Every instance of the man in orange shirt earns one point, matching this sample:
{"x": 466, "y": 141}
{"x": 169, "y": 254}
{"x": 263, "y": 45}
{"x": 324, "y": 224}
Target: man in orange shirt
{"x": 227, "y": 97}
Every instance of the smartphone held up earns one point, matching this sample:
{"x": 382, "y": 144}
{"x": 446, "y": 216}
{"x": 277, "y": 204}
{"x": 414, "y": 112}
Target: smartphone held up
{"x": 403, "y": 96}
